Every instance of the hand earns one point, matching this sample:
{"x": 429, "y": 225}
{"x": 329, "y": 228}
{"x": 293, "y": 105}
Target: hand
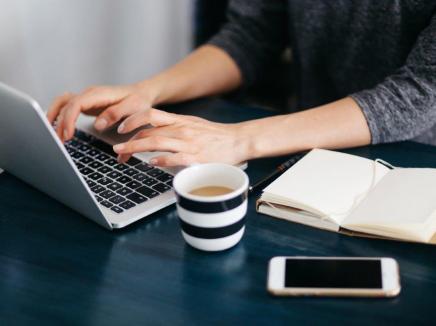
{"x": 109, "y": 104}
{"x": 190, "y": 139}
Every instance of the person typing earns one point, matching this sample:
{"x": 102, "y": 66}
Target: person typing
{"x": 365, "y": 70}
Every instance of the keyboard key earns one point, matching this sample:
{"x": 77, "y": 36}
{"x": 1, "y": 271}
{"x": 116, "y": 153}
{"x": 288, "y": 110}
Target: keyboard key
{"x": 93, "y": 152}
{"x": 106, "y": 203}
{"x": 155, "y": 172}
{"x": 99, "y": 199}
{"x": 114, "y": 186}
{"x": 79, "y": 165}
{"x": 127, "y": 204}
{"x": 140, "y": 177}
{"x": 150, "y": 181}
{"x": 86, "y": 160}
{"x": 86, "y": 171}
{"x": 95, "y": 165}
{"x": 143, "y": 167}
{"x": 131, "y": 172}
{"x": 105, "y": 181}
{"x": 74, "y": 143}
{"x": 95, "y": 176}
{"x": 121, "y": 167}
{"x": 77, "y": 155}
{"x": 165, "y": 177}
{"x": 133, "y": 161}
{"x": 114, "y": 174}
{"x": 111, "y": 162}
{"x": 150, "y": 193}
{"x": 136, "y": 198}
{"x": 124, "y": 179}
{"x": 104, "y": 169}
{"x": 133, "y": 184}
{"x": 90, "y": 182}
{"x": 83, "y": 148}
{"x": 161, "y": 187}
{"x": 117, "y": 209}
{"x": 97, "y": 189}
{"x": 117, "y": 199}
{"x": 124, "y": 191}
{"x": 104, "y": 147}
{"x": 169, "y": 183}
{"x": 102, "y": 157}
{"x": 71, "y": 151}
{"x": 107, "y": 194}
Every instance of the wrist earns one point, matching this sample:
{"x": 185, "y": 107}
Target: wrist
{"x": 272, "y": 136}
{"x": 250, "y": 139}
{"x": 152, "y": 90}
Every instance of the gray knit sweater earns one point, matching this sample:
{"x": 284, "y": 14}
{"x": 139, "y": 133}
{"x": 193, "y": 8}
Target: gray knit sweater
{"x": 380, "y": 52}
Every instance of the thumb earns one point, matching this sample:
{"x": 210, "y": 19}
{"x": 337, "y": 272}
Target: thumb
{"x": 156, "y": 118}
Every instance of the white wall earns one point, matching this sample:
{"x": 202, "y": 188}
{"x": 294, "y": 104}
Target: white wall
{"x": 50, "y": 46}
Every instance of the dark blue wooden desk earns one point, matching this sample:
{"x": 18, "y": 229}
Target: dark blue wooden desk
{"x": 58, "y": 267}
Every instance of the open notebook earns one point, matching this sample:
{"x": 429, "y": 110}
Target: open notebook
{"x": 343, "y": 193}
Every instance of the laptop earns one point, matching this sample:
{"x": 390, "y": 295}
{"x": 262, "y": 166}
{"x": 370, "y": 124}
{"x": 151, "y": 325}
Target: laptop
{"x": 83, "y": 173}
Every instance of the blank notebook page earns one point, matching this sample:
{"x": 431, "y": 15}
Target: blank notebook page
{"x": 403, "y": 197}
{"x": 329, "y": 182}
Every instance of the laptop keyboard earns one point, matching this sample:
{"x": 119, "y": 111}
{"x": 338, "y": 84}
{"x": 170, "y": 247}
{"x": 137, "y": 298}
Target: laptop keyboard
{"x": 116, "y": 186}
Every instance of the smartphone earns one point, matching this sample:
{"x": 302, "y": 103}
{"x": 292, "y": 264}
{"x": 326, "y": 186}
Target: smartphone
{"x": 333, "y": 276}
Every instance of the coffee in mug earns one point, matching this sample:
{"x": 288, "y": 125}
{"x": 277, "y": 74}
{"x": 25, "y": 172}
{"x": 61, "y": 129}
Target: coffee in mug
{"x": 211, "y": 204}
{"x": 211, "y": 191}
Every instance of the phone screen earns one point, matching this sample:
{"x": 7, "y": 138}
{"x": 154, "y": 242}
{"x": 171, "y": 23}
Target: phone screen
{"x": 334, "y": 273}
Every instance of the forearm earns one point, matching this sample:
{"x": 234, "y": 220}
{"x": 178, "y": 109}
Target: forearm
{"x": 207, "y": 71}
{"x": 195, "y": 140}
{"x": 339, "y": 124}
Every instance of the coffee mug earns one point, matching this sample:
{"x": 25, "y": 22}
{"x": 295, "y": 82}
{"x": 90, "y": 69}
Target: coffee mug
{"x": 211, "y": 222}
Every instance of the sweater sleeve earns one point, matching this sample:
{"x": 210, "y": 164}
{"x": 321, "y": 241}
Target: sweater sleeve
{"x": 404, "y": 104}
{"x": 255, "y": 34}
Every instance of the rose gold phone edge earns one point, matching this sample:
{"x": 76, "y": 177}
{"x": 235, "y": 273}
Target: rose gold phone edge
{"x": 336, "y": 292}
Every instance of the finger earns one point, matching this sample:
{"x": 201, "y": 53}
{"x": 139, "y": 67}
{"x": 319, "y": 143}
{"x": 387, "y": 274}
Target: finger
{"x": 184, "y": 132}
{"x": 94, "y": 112}
{"x": 93, "y": 98}
{"x": 123, "y": 158}
{"x": 149, "y": 144}
{"x": 70, "y": 114}
{"x": 112, "y": 115}
{"x": 151, "y": 116}
{"x": 165, "y": 131}
{"x": 117, "y": 112}
{"x": 59, "y": 126}
{"x": 177, "y": 159}
{"x": 57, "y": 105}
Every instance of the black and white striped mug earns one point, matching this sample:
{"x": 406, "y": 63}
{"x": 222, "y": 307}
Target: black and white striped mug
{"x": 212, "y": 223}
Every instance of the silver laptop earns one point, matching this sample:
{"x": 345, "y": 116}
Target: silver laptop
{"x": 82, "y": 173}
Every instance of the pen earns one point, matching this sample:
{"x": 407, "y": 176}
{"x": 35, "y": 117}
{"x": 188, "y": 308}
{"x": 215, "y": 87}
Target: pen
{"x": 279, "y": 170}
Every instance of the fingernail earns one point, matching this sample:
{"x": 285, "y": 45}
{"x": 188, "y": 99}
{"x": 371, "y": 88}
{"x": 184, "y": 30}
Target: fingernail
{"x": 65, "y": 134}
{"x": 153, "y": 161}
{"x": 118, "y": 147}
{"x": 121, "y": 128}
{"x": 100, "y": 124}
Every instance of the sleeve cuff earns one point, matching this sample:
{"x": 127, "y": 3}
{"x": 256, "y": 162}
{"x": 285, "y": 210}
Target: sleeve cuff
{"x": 230, "y": 42}
{"x": 365, "y": 102}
